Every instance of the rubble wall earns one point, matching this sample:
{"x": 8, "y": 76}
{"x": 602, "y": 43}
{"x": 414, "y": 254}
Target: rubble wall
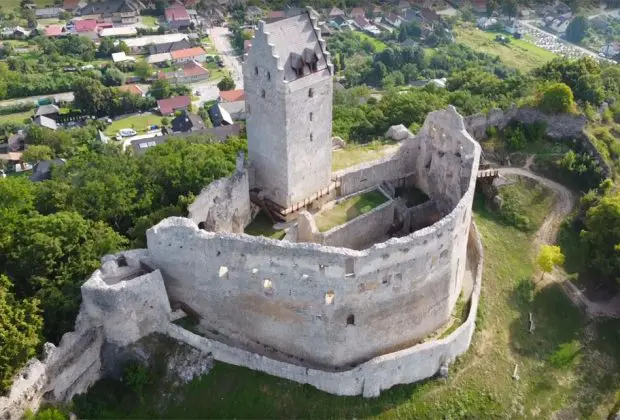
{"x": 559, "y": 127}
{"x": 224, "y": 205}
{"x": 121, "y": 303}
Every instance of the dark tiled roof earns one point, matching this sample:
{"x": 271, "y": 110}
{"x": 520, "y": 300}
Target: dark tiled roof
{"x": 43, "y": 169}
{"x": 169, "y": 47}
{"x": 220, "y": 133}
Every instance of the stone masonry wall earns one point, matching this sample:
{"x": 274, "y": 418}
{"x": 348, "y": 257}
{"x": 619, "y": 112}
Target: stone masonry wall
{"x": 359, "y": 233}
{"x": 224, "y": 205}
{"x": 559, "y": 127}
{"x": 121, "y": 303}
{"x": 333, "y": 306}
{"x": 370, "y": 378}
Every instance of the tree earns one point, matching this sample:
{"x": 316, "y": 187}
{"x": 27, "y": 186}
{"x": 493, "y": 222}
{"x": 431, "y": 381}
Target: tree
{"x": 165, "y": 121}
{"x": 510, "y": 8}
{"x": 601, "y": 237}
{"x": 143, "y": 69}
{"x": 20, "y": 331}
{"x": 51, "y": 257}
{"x": 589, "y": 88}
{"x": 557, "y": 98}
{"x": 113, "y": 77}
{"x": 577, "y": 29}
{"x": 89, "y": 96}
{"x": 549, "y": 256}
{"x": 106, "y": 48}
{"x": 491, "y": 6}
{"x": 227, "y": 83}
{"x": 160, "y": 89}
{"x": 36, "y": 153}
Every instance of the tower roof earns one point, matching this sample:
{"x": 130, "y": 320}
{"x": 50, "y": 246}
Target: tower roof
{"x": 297, "y": 43}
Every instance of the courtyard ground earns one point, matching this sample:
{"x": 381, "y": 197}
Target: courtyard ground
{"x": 348, "y": 209}
{"x": 263, "y": 226}
{"x": 519, "y": 54}
{"x": 354, "y": 154}
{"x": 568, "y": 366}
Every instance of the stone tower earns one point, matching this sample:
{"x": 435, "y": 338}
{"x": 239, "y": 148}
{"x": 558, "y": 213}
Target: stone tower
{"x": 288, "y": 84}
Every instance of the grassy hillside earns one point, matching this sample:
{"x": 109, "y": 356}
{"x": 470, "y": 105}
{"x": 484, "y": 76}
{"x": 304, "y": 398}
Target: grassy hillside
{"x": 518, "y": 53}
{"x": 568, "y": 366}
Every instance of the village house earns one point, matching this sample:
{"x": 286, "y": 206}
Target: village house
{"x": 189, "y": 54}
{"x": 187, "y": 122}
{"x": 72, "y": 5}
{"x": 231, "y": 95}
{"x": 169, "y": 106}
{"x": 48, "y": 12}
{"x": 54, "y": 31}
{"x": 124, "y": 12}
{"x": 168, "y": 47}
{"x": 357, "y": 12}
{"x": 190, "y": 72}
{"x": 132, "y": 88}
{"x": 177, "y": 17}
{"x": 50, "y": 111}
{"x": 335, "y": 12}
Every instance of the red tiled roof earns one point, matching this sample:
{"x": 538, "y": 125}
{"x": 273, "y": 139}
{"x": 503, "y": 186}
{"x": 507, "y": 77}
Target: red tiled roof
{"x": 361, "y": 21}
{"x": 132, "y": 88}
{"x": 70, "y": 4}
{"x": 232, "y": 95}
{"x": 187, "y": 52}
{"x": 194, "y": 69}
{"x": 358, "y": 11}
{"x": 176, "y": 12}
{"x": 169, "y": 105}
{"x": 53, "y": 30}
{"x": 276, "y": 14}
{"x": 86, "y": 25}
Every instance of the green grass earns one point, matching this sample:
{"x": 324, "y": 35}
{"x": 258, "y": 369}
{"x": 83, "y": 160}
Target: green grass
{"x": 8, "y": 5}
{"x": 353, "y": 155}
{"x": 379, "y": 45}
{"x": 349, "y": 209}
{"x": 137, "y": 122}
{"x": 17, "y": 117}
{"x": 149, "y": 20}
{"x": 518, "y": 53}
{"x": 524, "y": 203}
{"x": 568, "y": 367}
{"x": 263, "y": 226}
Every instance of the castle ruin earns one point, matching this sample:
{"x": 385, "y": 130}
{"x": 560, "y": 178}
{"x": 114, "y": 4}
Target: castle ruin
{"x": 352, "y": 310}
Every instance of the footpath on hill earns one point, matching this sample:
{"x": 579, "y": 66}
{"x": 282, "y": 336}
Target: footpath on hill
{"x": 565, "y": 201}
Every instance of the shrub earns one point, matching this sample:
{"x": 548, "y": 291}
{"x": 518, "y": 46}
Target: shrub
{"x": 137, "y": 376}
{"x": 515, "y": 137}
{"x": 557, "y": 98}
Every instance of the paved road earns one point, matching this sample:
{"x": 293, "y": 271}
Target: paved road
{"x": 65, "y": 96}
{"x": 221, "y": 42}
{"x": 208, "y": 92}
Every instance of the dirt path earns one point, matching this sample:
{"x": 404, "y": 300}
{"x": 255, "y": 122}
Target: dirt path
{"x": 547, "y": 234}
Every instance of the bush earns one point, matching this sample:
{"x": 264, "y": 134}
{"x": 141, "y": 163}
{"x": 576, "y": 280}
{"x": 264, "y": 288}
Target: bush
{"x": 515, "y": 137}
{"x": 557, "y": 98}
{"x": 137, "y": 376}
